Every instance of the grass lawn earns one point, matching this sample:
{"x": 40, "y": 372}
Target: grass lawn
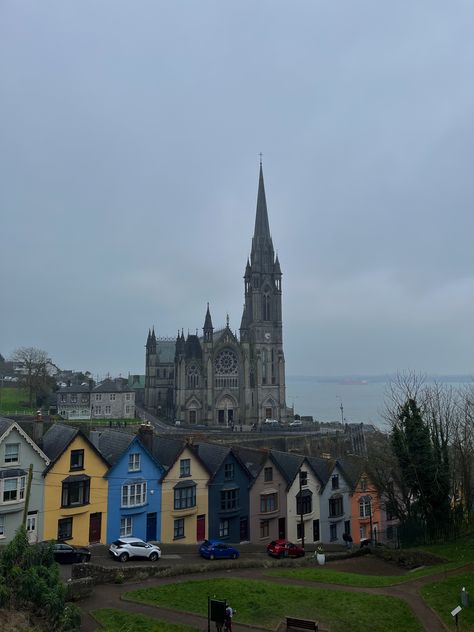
{"x": 444, "y": 595}
{"x": 121, "y": 621}
{"x": 11, "y": 398}
{"x": 266, "y": 604}
{"x": 325, "y": 574}
{"x": 460, "y": 550}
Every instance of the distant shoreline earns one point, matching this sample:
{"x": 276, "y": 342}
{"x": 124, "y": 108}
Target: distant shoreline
{"x": 378, "y": 379}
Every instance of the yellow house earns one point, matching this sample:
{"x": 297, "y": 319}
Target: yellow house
{"x": 184, "y": 499}
{"x": 75, "y": 490}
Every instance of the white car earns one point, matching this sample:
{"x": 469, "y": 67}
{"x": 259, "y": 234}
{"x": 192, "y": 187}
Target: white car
{"x": 125, "y": 548}
{"x": 272, "y": 422}
{"x": 296, "y": 422}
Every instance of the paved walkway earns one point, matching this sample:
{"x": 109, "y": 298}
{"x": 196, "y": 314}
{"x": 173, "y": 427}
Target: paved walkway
{"x": 112, "y": 596}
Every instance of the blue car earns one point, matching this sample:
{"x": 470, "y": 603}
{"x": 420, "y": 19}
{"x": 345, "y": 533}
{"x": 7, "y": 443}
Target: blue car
{"x": 216, "y": 550}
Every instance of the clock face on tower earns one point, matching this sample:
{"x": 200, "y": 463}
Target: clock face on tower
{"x": 267, "y": 336}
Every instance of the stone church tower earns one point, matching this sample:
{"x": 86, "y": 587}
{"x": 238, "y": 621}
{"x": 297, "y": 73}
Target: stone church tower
{"x": 217, "y": 378}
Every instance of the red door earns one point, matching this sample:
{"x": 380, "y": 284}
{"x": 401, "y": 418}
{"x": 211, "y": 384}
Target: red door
{"x": 201, "y": 528}
{"x": 95, "y": 527}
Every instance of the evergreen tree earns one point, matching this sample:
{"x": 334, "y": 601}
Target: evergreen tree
{"x": 423, "y": 459}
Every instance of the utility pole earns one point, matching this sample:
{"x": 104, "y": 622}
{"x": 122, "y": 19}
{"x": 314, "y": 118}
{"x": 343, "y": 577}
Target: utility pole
{"x": 301, "y": 511}
{"x": 28, "y": 492}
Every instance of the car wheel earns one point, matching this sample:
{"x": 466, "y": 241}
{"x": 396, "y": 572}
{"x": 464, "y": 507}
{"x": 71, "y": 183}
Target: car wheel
{"x": 123, "y": 557}
{"x": 234, "y": 556}
{"x": 83, "y": 558}
{"x": 212, "y": 556}
{"x": 153, "y": 557}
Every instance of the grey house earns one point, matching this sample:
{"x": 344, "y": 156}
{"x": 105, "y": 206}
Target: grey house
{"x": 19, "y": 453}
{"x": 335, "y": 501}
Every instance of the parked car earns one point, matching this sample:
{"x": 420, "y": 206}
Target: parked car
{"x": 272, "y": 422}
{"x": 68, "y": 554}
{"x": 296, "y": 422}
{"x": 284, "y": 548}
{"x": 217, "y": 550}
{"x": 125, "y": 548}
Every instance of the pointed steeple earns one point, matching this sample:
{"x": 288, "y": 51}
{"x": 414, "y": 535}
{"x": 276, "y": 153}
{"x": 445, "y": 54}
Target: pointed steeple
{"x": 262, "y": 255}
{"x": 262, "y": 228}
{"x": 208, "y": 320}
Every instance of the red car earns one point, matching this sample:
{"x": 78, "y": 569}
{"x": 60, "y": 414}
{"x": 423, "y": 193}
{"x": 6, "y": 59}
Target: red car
{"x": 284, "y": 548}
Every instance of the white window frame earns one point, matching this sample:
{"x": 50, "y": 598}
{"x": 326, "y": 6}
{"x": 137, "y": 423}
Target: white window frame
{"x": 134, "y": 494}
{"x": 126, "y": 526}
{"x": 2, "y": 526}
{"x": 19, "y": 488}
{"x": 224, "y": 528}
{"x": 112, "y": 397}
{"x": 134, "y": 461}
{"x": 7, "y": 457}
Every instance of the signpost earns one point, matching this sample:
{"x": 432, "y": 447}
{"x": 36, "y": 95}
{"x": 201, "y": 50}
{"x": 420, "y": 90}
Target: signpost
{"x": 455, "y": 613}
{"x": 215, "y": 612}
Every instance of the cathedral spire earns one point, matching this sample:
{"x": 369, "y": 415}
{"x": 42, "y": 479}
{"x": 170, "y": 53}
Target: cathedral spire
{"x": 262, "y": 228}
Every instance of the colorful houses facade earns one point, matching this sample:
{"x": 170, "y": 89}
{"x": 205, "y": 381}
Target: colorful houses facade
{"x": 117, "y": 483}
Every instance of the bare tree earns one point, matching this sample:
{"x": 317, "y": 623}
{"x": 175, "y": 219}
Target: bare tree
{"x": 35, "y": 370}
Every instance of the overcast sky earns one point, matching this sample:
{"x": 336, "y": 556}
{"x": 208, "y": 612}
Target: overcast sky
{"x": 129, "y": 141}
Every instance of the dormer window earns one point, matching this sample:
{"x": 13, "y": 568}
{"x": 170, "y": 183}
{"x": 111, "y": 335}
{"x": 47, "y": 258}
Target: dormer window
{"x": 12, "y": 453}
{"x": 134, "y": 462}
{"x": 335, "y": 481}
{"x": 229, "y": 471}
{"x": 185, "y": 467}
{"x": 77, "y": 460}
{"x": 267, "y": 474}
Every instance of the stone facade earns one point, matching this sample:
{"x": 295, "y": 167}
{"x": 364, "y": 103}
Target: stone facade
{"x": 222, "y": 378}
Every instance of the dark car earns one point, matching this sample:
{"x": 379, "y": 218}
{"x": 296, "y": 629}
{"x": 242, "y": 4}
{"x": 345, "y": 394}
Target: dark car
{"x": 217, "y": 550}
{"x": 68, "y": 554}
{"x": 284, "y": 548}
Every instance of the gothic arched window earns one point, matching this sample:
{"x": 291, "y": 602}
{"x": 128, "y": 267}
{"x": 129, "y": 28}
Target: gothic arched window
{"x": 266, "y": 306}
{"x": 193, "y": 376}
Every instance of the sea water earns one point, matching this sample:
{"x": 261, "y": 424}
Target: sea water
{"x": 352, "y": 400}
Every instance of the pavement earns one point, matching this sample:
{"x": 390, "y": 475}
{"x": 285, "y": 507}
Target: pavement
{"x": 113, "y": 596}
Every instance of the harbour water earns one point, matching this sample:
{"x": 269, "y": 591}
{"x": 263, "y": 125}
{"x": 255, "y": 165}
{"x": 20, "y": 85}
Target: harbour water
{"x": 362, "y": 399}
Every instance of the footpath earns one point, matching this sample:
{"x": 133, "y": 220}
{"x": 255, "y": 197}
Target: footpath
{"x": 113, "y": 596}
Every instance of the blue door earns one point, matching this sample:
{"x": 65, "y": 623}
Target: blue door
{"x": 151, "y": 527}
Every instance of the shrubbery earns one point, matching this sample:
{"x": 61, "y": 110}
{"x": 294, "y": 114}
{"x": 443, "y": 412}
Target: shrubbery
{"x": 29, "y": 581}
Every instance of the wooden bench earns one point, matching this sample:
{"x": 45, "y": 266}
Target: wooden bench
{"x": 301, "y": 624}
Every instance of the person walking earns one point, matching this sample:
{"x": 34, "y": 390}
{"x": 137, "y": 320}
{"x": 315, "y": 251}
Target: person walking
{"x": 229, "y": 613}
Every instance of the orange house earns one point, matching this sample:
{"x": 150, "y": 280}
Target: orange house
{"x": 366, "y": 510}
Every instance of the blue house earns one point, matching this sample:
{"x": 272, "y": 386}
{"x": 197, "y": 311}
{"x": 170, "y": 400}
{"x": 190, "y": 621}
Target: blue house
{"x": 228, "y": 493}
{"x": 134, "y": 490}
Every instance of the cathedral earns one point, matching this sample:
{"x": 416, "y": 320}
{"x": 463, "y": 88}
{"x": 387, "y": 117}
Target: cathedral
{"x": 218, "y": 378}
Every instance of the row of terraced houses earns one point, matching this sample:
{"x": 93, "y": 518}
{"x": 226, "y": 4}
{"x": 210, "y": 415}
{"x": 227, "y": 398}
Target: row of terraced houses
{"x": 96, "y": 488}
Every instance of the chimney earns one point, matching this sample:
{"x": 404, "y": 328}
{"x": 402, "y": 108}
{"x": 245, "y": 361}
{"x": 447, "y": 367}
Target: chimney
{"x": 145, "y": 434}
{"x": 38, "y": 428}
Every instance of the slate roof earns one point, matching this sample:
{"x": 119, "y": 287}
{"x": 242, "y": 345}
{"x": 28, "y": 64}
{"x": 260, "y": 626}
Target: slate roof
{"x": 321, "y": 467}
{"x": 4, "y": 425}
{"x": 353, "y": 467}
{"x": 112, "y": 444}
{"x": 112, "y": 386}
{"x": 252, "y": 459}
{"x": 75, "y": 388}
{"x": 288, "y": 464}
{"x": 166, "y": 450}
{"x": 212, "y": 455}
{"x": 56, "y": 439}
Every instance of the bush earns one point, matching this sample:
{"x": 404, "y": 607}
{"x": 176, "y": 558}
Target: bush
{"x": 408, "y": 558}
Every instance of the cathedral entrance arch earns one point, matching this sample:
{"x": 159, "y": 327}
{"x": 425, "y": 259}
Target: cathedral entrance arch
{"x": 227, "y": 411}
{"x": 269, "y": 409}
